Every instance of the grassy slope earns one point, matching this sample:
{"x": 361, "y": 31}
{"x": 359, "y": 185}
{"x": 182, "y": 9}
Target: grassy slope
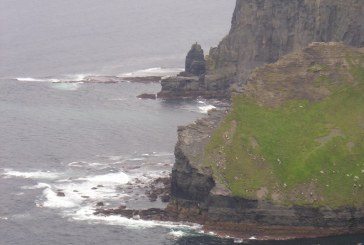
{"x": 302, "y": 152}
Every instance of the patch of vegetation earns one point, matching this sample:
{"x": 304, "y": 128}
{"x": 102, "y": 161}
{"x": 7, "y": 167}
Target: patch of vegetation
{"x": 304, "y": 152}
{"x": 317, "y": 67}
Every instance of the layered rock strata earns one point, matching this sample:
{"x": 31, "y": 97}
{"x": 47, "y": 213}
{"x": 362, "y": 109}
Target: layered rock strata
{"x": 262, "y": 31}
{"x": 197, "y": 195}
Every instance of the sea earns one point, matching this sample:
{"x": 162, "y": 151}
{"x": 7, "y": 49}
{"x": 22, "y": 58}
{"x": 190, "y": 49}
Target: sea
{"x": 66, "y": 147}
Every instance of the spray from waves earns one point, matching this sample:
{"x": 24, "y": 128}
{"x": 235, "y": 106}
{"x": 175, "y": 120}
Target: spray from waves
{"x": 76, "y": 191}
{"x": 200, "y": 106}
{"x": 30, "y": 79}
{"x": 205, "y": 109}
{"x": 86, "y": 214}
{"x": 61, "y": 79}
{"x": 67, "y": 83}
{"x": 9, "y": 173}
{"x": 67, "y": 86}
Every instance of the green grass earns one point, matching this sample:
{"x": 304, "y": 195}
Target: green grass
{"x": 297, "y": 150}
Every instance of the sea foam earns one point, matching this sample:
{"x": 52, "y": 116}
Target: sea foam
{"x": 155, "y": 71}
{"x": 205, "y": 109}
{"x": 9, "y": 173}
{"x": 30, "y": 79}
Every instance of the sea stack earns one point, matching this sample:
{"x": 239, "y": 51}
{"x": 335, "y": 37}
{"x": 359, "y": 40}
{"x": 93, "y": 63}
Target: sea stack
{"x": 195, "y": 61}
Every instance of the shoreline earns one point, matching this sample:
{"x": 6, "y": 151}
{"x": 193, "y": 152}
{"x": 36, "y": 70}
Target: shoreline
{"x": 234, "y": 231}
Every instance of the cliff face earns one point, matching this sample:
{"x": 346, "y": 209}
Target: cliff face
{"x": 261, "y": 32}
{"x": 264, "y": 30}
{"x": 280, "y": 161}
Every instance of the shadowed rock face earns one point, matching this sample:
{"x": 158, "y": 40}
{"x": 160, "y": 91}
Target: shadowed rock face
{"x": 264, "y": 30}
{"x": 261, "y": 32}
{"x": 195, "y": 61}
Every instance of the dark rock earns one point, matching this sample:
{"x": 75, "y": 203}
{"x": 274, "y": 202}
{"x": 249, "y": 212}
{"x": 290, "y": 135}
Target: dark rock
{"x": 147, "y": 96}
{"x": 60, "y": 194}
{"x": 148, "y": 79}
{"x": 265, "y": 30}
{"x": 148, "y": 214}
{"x": 152, "y": 197}
{"x": 182, "y": 87}
{"x": 195, "y": 61}
{"x": 165, "y": 198}
{"x": 160, "y": 187}
{"x": 99, "y": 204}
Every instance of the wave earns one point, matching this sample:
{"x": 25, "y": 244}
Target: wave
{"x": 30, "y": 79}
{"x": 9, "y": 173}
{"x": 73, "y": 81}
{"x": 113, "y": 180}
{"x": 205, "y": 109}
{"x": 67, "y": 86}
{"x": 76, "y": 77}
{"x": 37, "y": 186}
{"x": 81, "y": 164}
{"x": 155, "y": 71}
{"x": 200, "y": 107}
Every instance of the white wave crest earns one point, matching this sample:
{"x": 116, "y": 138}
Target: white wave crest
{"x": 177, "y": 233}
{"x": 155, "y": 71}
{"x": 9, "y": 173}
{"x": 205, "y": 109}
{"x": 53, "y": 200}
{"x": 112, "y": 178}
{"x": 87, "y": 214}
{"x": 37, "y": 186}
{"x": 30, "y": 79}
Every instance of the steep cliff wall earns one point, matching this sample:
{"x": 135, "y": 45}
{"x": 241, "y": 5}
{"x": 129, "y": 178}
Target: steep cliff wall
{"x": 264, "y": 30}
{"x": 287, "y": 157}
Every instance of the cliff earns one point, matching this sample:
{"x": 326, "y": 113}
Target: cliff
{"x": 262, "y": 31}
{"x": 287, "y": 159}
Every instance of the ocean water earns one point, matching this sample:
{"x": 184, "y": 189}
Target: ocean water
{"x": 96, "y": 142}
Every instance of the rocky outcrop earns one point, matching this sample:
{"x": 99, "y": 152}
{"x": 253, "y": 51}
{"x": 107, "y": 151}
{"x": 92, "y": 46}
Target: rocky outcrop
{"x": 191, "y": 83}
{"x": 182, "y": 87}
{"x": 199, "y": 195}
{"x": 195, "y": 61}
{"x": 262, "y": 31}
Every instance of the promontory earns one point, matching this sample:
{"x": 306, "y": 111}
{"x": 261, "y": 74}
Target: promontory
{"x": 287, "y": 158}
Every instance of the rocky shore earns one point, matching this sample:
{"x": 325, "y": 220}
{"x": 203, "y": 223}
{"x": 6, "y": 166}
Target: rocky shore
{"x": 262, "y": 33}
{"x": 194, "y": 82}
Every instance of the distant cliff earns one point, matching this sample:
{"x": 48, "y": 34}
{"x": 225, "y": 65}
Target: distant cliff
{"x": 264, "y": 30}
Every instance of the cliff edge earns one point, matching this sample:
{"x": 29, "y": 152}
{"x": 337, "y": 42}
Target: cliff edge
{"x": 261, "y": 32}
{"x": 287, "y": 158}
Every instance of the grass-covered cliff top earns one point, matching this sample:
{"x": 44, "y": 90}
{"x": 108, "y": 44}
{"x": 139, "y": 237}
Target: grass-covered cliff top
{"x": 296, "y": 135}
